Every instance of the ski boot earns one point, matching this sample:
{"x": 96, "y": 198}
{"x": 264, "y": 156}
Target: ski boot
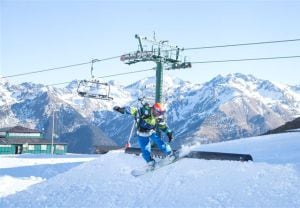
{"x": 171, "y": 157}
{"x": 151, "y": 165}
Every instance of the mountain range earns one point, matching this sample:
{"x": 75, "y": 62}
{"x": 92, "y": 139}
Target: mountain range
{"x": 224, "y": 108}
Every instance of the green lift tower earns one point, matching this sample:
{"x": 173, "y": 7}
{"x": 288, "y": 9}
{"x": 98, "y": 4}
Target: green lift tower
{"x": 163, "y": 54}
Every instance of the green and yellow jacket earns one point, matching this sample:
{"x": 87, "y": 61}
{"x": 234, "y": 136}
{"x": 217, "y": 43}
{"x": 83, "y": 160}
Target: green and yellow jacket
{"x": 146, "y": 121}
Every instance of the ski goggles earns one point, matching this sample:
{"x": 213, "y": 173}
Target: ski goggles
{"x": 158, "y": 112}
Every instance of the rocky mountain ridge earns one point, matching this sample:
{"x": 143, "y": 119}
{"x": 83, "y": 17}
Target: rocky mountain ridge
{"x": 224, "y": 108}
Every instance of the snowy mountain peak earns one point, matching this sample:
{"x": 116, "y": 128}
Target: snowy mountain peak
{"x": 3, "y": 81}
{"x": 234, "y": 78}
{"x": 227, "y": 107}
{"x": 240, "y": 76}
{"x": 248, "y": 85}
{"x": 168, "y": 81}
{"x": 72, "y": 86}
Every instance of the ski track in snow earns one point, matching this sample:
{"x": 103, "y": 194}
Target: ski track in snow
{"x": 107, "y": 182}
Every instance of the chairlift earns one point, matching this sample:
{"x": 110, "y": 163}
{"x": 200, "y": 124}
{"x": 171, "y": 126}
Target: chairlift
{"x": 94, "y": 88}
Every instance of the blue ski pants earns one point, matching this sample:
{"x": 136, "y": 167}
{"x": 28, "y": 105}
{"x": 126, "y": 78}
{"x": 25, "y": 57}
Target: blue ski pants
{"x": 145, "y": 145}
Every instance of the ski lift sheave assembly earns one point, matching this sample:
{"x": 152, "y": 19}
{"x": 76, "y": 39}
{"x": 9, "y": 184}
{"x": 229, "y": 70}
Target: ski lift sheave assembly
{"x": 160, "y": 51}
{"x": 94, "y": 88}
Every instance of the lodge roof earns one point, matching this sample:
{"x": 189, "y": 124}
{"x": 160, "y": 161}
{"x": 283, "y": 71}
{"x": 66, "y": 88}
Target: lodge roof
{"x": 28, "y": 141}
{"x": 18, "y": 129}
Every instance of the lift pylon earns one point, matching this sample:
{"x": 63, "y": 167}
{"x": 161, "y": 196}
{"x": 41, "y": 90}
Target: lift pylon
{"x": 162, "y": 53}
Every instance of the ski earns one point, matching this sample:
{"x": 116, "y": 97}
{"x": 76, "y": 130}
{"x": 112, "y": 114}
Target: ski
{"x": 160, "y": 164}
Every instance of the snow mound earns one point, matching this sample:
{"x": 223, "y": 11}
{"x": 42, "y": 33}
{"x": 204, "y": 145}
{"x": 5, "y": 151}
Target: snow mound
{"x": 107, "y": 182}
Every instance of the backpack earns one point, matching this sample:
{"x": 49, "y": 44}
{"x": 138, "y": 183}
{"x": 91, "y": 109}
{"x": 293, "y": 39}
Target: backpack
{"x": 145, "y": 111}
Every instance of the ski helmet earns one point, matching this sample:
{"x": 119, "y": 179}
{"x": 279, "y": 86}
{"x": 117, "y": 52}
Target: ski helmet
{"x": 158, "y": 109}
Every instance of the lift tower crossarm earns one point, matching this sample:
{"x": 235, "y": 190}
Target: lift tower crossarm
{"x": 140, "y": 42}
{"x": 162, "y": 55}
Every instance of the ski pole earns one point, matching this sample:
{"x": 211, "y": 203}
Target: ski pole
{"x": 130, "y": 135}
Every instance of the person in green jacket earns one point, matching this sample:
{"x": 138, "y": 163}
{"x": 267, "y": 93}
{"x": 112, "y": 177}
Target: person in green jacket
{"x": 148, "y": 119}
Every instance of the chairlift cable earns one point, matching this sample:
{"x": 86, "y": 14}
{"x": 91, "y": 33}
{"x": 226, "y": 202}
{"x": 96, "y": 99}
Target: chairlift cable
{"x": 196, "y": 62}
{"x": 111, "y": 75}
{"x": 62, "y": 67}
{"x": 125, "y": 73}
{"x": 45, "y": 70}
{"x": 191, "y": 48}
{"x": 245, "y": 59}
{"x": 237, "y": 44}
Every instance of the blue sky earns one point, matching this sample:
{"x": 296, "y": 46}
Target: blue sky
{"x": 38, "y": 35}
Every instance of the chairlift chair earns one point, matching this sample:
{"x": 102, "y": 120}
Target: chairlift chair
{"x": 94, "y": 88}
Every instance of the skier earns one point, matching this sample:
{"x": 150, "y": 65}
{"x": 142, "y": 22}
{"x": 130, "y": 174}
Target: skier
{"x": 148, "y": 119}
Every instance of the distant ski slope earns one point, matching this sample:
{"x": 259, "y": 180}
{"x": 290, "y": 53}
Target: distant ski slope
{"x": 274, "y": 148}
{"x": 272, "y": 180}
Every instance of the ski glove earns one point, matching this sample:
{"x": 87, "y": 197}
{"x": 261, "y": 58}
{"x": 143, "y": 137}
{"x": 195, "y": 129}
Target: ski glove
{"x": 170, "y": 136}
{"x": 118, "y": 109}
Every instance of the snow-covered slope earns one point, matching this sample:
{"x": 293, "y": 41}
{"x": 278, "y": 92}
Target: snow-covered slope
{"x": 272, "y": 180}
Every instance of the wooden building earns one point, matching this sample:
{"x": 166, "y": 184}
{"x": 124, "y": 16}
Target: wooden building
{"x": 19, "y": 140}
